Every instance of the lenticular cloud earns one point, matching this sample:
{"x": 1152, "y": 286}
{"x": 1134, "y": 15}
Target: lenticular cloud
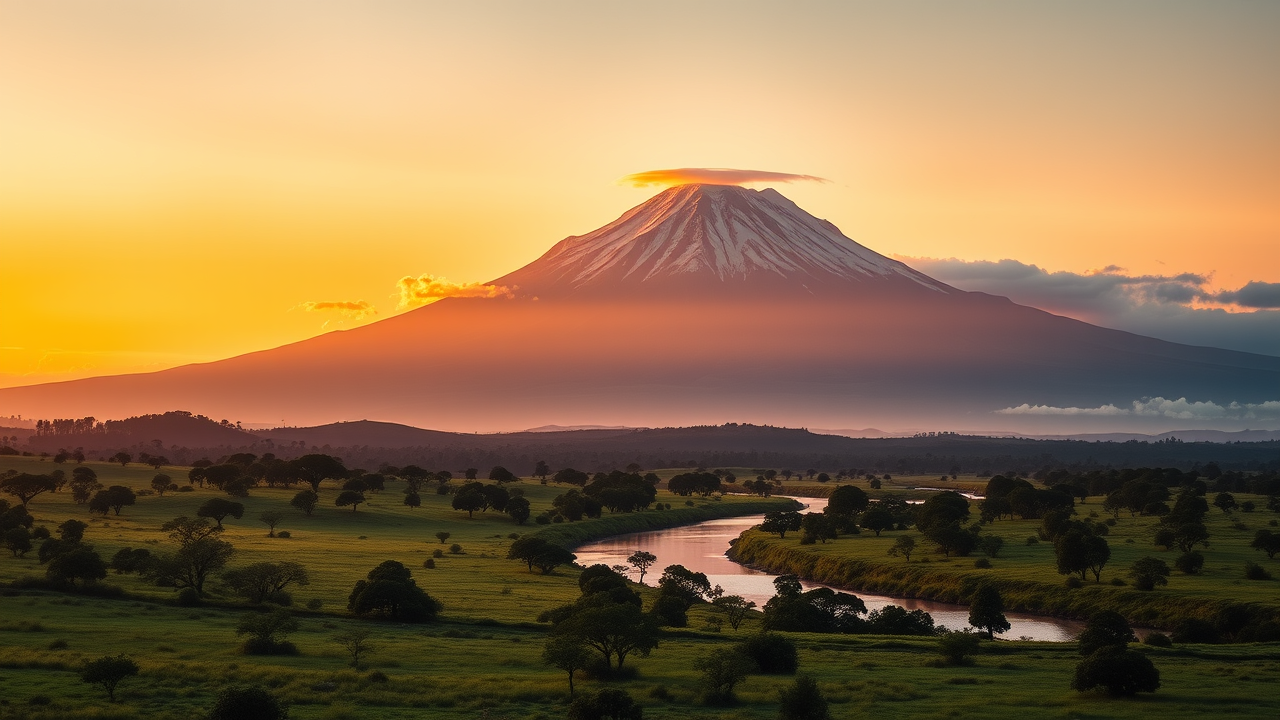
{"x": 1180, "y": 409}
{"x": 713, "y": 176}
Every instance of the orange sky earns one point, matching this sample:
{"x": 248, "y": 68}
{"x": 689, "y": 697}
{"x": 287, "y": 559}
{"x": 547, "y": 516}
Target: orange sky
{"x": 179, "y": 180}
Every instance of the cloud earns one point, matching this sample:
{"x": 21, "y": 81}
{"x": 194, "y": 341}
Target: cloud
{"x": 713, "y": 176}
{"x": 1180, "y": 409}
{"x": 1253, "y": 295}
{"x": 357, "y": 310}
{"x": 1179, "y": 307}
{"x": 415, "y": 291}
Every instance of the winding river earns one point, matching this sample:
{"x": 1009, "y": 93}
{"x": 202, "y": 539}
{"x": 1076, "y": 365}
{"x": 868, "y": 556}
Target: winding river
{"x": 701, "y": 548}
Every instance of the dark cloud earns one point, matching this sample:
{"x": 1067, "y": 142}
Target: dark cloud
{"x": 713, "y": 176}
{"x": 1181, "y": 308}
{"x": 1253, "y": 295}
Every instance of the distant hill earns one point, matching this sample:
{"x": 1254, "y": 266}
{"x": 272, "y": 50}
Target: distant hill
{"x": 156, "y": 432}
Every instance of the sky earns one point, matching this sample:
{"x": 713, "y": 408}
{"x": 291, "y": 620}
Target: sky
{"x": 183, "y": 182}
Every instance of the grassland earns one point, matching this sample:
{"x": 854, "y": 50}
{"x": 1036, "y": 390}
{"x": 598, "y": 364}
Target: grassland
{"x": 1027, "y": 572}
{"x": 482, "y": 658}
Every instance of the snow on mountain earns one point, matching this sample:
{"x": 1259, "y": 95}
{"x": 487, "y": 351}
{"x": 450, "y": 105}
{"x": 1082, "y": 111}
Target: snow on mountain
{"x": 705, "y": 233}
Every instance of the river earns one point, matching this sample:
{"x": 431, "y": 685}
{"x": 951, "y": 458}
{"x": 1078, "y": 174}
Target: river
{"x": 702, "y": 547}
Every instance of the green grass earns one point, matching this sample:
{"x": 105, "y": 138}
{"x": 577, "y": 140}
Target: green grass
{"x": 1027, "y": 574}
{"x": 483, "y": 656}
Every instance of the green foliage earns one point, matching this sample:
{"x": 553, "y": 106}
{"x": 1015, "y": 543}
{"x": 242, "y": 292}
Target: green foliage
{"x": 1104, "y": 629}
{"x": 802, "y": 700}
{"x": 772, "y": 654}
{"x": 606, "y": 704}
{"x": 722, "y": 670}
{"x": 986, "y": 611}
{"x": 246, "y": 702}
{"x": 390, "y": 590}
{"x": 956, "y": 647}
{"x": 108, "y": 672}
{"x": 1148, "y": 572}
{"x": 1119, "y": 671}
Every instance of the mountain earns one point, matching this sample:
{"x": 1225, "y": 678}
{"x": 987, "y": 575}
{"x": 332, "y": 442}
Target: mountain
{"x": 704, "y": 305}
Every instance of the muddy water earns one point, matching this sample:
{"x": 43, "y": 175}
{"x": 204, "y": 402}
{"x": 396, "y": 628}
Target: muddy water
{"x": 701, "y": 548}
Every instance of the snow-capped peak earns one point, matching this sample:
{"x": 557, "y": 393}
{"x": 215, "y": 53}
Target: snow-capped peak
{"x": 707, "y": 233}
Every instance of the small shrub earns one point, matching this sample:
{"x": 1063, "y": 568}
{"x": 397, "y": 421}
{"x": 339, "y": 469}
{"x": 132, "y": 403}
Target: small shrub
{"x": 58, "y": 645}
{"x": 542, "y": 520}
{"x": 982, "y": 563}
{"x": 1033, "y": 540}
{"x": 284, "y": 534}
{"x": 1156, "y": 639}
{"x": 455, "y": 549}
{"x": 39, "y": 700}
{"x": 429, "y": 564}
{"x": 1118, "y": 582}
{"x": 773, "y": 654}
{"x": 1189, "y": 563}
{"x": 315, "y": 604}
{"x": 956, "y": 647}
{"x": 1254, "y": 571}
{"x": 247, "y": 703}
{"x": 803, "y": 701}
{"x": 437, "y": 553}
{"x": 188, "y": 597}
{"x": 186, "y": 488}
{"x": 377, "y": 676}
{"x": 1111, "y": 522}
{"x": 1074, "y": 582}
{"x": 660, "y": 692}
{"x": 513, "y": 536}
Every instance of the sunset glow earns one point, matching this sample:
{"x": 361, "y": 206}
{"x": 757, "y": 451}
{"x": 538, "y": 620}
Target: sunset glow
{"x": 180, "y": 181}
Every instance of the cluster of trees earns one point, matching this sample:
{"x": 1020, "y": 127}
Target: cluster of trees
{"x": 617, "y": 491}
{"x": 537, "y": 552}
{"x": 390, "y": 591}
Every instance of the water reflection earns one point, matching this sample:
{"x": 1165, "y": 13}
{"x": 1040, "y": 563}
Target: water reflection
{"x": 701, "y": 548}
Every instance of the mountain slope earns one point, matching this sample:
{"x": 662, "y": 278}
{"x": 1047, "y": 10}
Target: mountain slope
{"x": 702, "y": 306}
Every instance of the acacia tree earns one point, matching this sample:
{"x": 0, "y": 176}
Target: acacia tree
{"x": 108, "y": 672}
{"x": 261, "y": 581}
{"x": 735, "y": 608}
{"x": 26, "y": 486}
{"x": 219, "y": 508}
{"x": 271, "y": 518}
{"x": 904, "y": 546}
{"x": 349, "y": 497}
{"x": 780, "y": 522}
{"x": 357, "y": 644}
{"x": 200, "y": 554}
{"x": 642, "y": 561}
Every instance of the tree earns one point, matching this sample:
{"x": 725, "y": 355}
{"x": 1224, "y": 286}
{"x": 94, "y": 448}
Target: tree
{"x": 500, "y": 475}
{"x": 986, "y": 611}
{"x": 1266, "y": 541}
{"x": 412, "y": 499}
{"x": 260, "y": 581}
{"x": 80, "y": 563}
{"x": 219, "y": 508}
{"x": 876, "y": 519}
{"x": 735, "y": 608}
{"x": 1081, "y": 551}
{"x": 904, "y": 546}
{"x": 391, "y": 591}
{"x": 84, "y": 481}
{"x": 72, "y": 531}
{"x": 1118, "y": 670}
{"x": 1148, "y": 572}
{"x": 1105, "y": 628}
{"x": 780, "y": 522}
{"x": 566, "y": 653}
{"x": 847, "y": 500}
{"x": 571, "y": 477}
{"x": 1226, "y": 502}
{"x": 817, "y": 526}
{"x": 613, "y": 629}
{"x": 108, "y": 672}
{"x": 642, "y": 561}
{"x": 518, "y": 509}
{"x": 123, "y": 458}
{"x": 267, "y": 632}
{"x": 542, "y": 470}
{"x": 772, "y": 653}
{"x": 305, "y": 501}
{"x": 803, "y": 701}
{"x": 114, "y": 498}
{"x": 160, "y": 483}
{"x": 606, "y": 704}
{"x": 470, "y": 500}
{"x": 271, "y": 518}
{"x": 349, "y": 497}
{"x": 242, "y": 702}
{"x": 18, "y": 541}
{"x": 26, "y": 486}
{"x": 442, "y": 536}
{"x": 722, "y": 670}
{"x": 357, "y": 644}
{"x": 315, "y": 469}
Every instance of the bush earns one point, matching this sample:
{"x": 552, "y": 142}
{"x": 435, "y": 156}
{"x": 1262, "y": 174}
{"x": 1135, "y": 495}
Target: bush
{"x": 429, "y": 564}
{"x": 189, "y": 597}
{"x": 58, "y": 645}
{"x": 377, "y": 676}
{"x": 267, "y": 646}
{"x": 1156, "y": 639}
{"x": 1254, "y": 571}
{"x": 1033, "y": 540}
{"x": 542, "y": 520}
{"x": 1074, "y": 582}
{"x": 437, "y": 553}
{"x": 108, "y": 672}
{"x": 982, "y": 563}
{"x": 607, "y": 704}
{"x": 240, "y": 702}
{"x": 1119, "y": 671}
{"x": 284, "y": 534}
{"x": 956, "y": 647}
{"x": 773, "y": 654}
{"x": 1189, "y": 563}
{"x": 803, "y": 701}
{"x": 1194, "y": 630}
{"x": 456, "y": 549}
{"x": 315, "y": 604}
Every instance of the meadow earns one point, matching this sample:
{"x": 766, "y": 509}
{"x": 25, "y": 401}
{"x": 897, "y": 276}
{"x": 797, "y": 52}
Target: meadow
{"x": 482, "y": 657}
